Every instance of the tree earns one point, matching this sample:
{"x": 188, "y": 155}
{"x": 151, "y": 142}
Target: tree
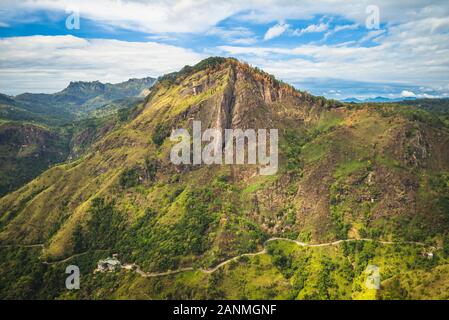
{"x": 79, "y": 243}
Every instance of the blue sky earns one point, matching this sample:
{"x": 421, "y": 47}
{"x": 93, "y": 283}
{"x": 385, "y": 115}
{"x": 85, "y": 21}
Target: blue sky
{"x": 336, "y": 49}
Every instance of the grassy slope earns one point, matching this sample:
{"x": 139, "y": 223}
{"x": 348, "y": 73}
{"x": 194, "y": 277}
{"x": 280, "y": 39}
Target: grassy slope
{"x": 26, "y": 150}
{"x": 344, "y": 173}
{"x": 285, "y": 272}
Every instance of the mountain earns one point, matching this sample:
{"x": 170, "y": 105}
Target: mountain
{"x": 377, "y": 100}
{"x": 358, "y": 187}
{"x": 26, "y": 150}
{"x": 7, "y": 100}
{"x": 30, "y": 142}
{"x": 352, "y": 100}
{"x": 81, "y": 97}
{"x": 38, "y": 131}
{"x": 14, "y": 110}
{"x": 437, "y": 105}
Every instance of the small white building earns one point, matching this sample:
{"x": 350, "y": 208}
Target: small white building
{"x": 108, "y": 265}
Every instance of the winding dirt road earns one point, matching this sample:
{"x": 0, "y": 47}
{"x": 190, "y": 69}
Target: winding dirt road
{"x": 137, "y": 269}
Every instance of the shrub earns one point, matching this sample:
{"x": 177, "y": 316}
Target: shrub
{"x": 160, "y": 133}
{"x": 129, "y": 178}
{"x": 106, "y": 225}
{"x": 151, "y": 168}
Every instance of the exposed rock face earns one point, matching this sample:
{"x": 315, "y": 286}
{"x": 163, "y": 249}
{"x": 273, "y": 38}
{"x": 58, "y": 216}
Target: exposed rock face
{"x": 26, "y": 151}
{"x": 345, "y": 171}
{"x": 339, "y": 175}
{"x": 81, "y": 141}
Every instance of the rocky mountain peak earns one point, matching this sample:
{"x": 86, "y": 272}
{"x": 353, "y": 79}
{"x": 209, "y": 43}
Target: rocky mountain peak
{"x": 82, "y": 86}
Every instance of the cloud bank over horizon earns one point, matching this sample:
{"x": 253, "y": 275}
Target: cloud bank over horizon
{"x": 328, "y": 48}
{"x": 49, "y": 63}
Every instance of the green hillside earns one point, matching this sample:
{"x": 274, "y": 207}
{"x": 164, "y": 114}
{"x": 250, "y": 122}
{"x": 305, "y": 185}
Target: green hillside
{"x": 376, "y": 174}
{"x": 80, "y": 97}
{"x": 40, "y": 130}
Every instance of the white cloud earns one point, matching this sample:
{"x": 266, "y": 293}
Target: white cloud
{"x": 49, "y": 63}
{"x": 4, "y": 25}
{"x": 413, "y": 49}
{"x": 354, "y": 10}
{"x": 311, "y": 28}
{"x": 411, "y": 94}
{"x": 236, "y": 35}
{"x": 409, "y": 54}
{"x": 276, "y": 31}
{"x": 408, "y": 94}
{"x": 161, "y": 37}
{"x": 243, "y": 41}
{"x": 156, "y": 16}
{"x": 339, "y": 28}
{"x": 346, "y": 27}
{"x": 372, "y": 35}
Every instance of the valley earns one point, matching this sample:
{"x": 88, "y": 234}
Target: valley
{"x": 357, "y": 185}
{"x": 38, "y": 131}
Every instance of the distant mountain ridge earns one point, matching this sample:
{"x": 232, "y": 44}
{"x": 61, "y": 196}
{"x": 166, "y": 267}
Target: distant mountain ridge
{"x": 36, "y": 130}
{"x": 377, "y": 99}
{"x": 80, "y": 97}
{"x": 437, "y": 105}
{"x": 129, "y": 88}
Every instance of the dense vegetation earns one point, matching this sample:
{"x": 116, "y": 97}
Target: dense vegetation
{"x": 377, "y": 171}
{"x": 38, "y": 131}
